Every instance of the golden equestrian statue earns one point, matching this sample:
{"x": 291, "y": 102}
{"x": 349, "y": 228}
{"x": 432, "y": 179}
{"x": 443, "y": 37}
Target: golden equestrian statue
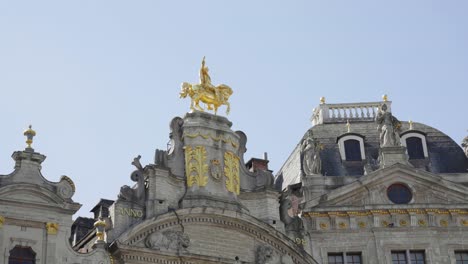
{"x": 212, "y": 96}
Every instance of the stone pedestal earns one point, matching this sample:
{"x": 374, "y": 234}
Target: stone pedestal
{"x": 212, "y": 164}
{"x": 392, "y": 155}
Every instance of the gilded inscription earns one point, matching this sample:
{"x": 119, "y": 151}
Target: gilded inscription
{"x": 196, "y": 167}
{"x": 231, "y": 171}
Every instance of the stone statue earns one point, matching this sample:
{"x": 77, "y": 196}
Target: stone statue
{"x": 169, "y": 240}
{"x": 465, "y": 145}
{"x": 389, "y": 128}
{"x": 212, "y": 96}
{"x": 310, "y": 156}
{"x": 290, "y": 211}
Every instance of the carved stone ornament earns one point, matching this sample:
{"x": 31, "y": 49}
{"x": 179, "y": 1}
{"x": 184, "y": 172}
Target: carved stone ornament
{"x": 465, "y": 145}
{"x": 66, "y": 187}
{"x": 137, "y": 193}
{"x": 310, "y": 155}
{"x": 265, "y": 254}
{"x": 216, "y": 170}
{"x": 196, "y": 166}
{"x": 231, "y": 172}
{"x": 169, "y": 240}
{"x": 52, "y": 228}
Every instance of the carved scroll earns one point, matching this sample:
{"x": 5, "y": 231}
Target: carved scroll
{"x": 231, "y": 171}
{"x": 196, "y": 166}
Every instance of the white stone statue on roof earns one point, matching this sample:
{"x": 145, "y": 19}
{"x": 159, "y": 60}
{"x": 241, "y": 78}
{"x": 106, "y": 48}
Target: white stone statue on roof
{"x": 389, "y": 127}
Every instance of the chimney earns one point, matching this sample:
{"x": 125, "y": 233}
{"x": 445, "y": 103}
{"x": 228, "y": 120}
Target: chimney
{"x": 255, "y": 164}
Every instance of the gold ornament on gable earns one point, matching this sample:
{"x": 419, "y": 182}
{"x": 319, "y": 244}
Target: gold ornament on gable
{"x": 231, "y": 172}
{"x": 196, "y": 166}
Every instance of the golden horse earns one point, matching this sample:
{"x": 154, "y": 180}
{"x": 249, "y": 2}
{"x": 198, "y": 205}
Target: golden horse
{"x": 212, "y": 99}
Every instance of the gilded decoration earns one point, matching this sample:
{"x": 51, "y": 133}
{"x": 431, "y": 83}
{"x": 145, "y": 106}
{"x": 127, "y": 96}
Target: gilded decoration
{"x": 342, "y": 225}
{"x": 403, "y": 223}
{"x": 212, "y": 96}
{"x": 386, "y": 212}
{"x": 323, "y": 225}
{"x": 215, "y": 169}
{"x": 214, "y": 138}
{"x": 231, "y": 172}
{"x": 52, "y": 228}
{"x": 196, "y": 166}
{"x": 384, "y": 223}
{"x": 443, "y": 223}
{"x": 2, "y": 220}
{"x": 422, "y": 222}
{"x": 464, "y": 222}
{"x": 362, "y": 224}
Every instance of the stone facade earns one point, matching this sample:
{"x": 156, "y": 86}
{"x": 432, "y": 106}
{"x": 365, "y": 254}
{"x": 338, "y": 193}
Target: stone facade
{"x": 36, "y": 215}
{"x": 200, "y": 202}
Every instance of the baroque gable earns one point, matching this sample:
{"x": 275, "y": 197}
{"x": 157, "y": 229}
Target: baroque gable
{"x": 427, "y": 190}
{"x": 205, "y": 235}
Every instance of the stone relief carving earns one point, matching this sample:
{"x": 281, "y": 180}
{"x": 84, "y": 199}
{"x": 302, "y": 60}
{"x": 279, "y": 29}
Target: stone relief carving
{"x": 169, "y": 240}
{"x": 175, "y": 149}
{"x": 290, "y": 210}
{"x": 215, "y": 169}
{"x": 465, "y": 145}
{"x": 265, "y": 254}
{"x": 389, "y": 127}
{"x": 137, "y": 193}
{"x": 310, "y": 155}
{"x": 66, "y": 187}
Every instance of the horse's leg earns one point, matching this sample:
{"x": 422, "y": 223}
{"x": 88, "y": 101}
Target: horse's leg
{"x": 197, "y": 105}
{"x": 228, "y": 108}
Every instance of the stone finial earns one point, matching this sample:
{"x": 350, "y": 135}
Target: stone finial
{"x": 322, "y": 100}
{"x": 410, "y": 125}
{"x": 385, "y": 98}
{"x": 30, "y": 134}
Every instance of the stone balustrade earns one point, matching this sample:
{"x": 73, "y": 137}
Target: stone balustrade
{"x": 341, "y": 113}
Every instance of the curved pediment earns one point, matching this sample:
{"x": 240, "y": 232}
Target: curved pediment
{"x": 204, "y": 235}
{"x": 30, "y": 193}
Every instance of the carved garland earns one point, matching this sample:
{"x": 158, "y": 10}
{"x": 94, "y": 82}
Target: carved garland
{"x": 231, "y": 171}
{"x": 196, "y": 167}
{"x": 207, "y": 136}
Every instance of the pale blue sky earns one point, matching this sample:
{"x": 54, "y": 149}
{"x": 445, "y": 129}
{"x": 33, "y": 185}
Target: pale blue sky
{"x": 99, "y": 80}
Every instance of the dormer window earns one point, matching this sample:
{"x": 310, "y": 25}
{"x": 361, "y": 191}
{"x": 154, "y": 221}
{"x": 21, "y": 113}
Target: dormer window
{"x": 351, "y": 147}
{"x": 415, "y": 143}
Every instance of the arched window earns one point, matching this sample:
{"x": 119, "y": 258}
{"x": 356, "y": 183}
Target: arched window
{"x": 415, "y": 149}
{"x": 22, "y": 255}
{"x": 352, "y": 150}
{"x": 415, "y": 143}
{"x": 351, "y": 146}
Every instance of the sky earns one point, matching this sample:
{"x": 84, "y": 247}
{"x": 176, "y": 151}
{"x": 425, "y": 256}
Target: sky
{"x": 99, "y": 80}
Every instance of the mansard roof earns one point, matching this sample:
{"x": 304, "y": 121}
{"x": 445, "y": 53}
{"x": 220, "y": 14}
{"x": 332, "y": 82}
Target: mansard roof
{"x": 445, "y": 155}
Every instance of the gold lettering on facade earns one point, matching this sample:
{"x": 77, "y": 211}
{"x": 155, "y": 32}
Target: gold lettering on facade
{"x": 231, "y": 172}
{"x": 196, "y": 166}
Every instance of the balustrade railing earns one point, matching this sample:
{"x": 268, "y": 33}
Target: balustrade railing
{"x": 341, "y": 113}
